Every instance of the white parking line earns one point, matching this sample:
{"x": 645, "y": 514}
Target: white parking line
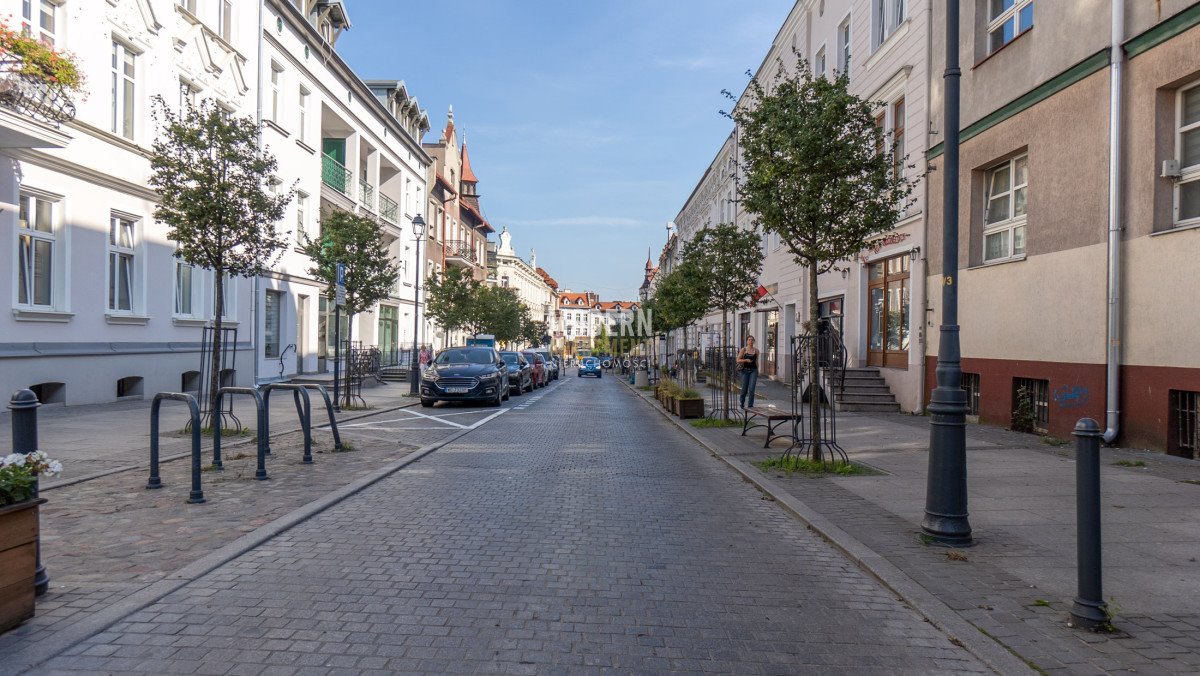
{"x": 449, "y": 424}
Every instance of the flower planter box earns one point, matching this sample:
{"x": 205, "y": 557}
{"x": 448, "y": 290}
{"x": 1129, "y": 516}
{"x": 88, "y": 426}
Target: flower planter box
{"x": 18, "y": 561}
{"x": 689, "y": 408}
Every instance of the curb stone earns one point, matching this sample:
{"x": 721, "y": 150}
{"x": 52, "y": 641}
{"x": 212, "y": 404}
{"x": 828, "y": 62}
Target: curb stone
{"x": 29, "y": 658}
{"x": 959, "y": 631}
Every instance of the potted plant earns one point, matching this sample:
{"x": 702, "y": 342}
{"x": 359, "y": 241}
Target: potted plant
{"x": 690, "y": 404}
{"x": 19, "y": 532}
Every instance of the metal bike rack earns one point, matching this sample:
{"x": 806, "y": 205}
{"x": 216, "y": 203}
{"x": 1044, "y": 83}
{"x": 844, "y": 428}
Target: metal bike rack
{"x": 261, "y": 472}
{"x": 304, "y": 411}
{"x": 337, "y": 438}
{"x": 197, "y": 494}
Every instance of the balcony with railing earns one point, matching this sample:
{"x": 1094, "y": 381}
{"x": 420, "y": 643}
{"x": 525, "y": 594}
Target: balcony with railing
{"x": 32, "y": 107}
{"x": 460, "y": 253}
{"x": 388, "y": 209}
{"x": 335, "y": 175}
{"x": 366, "y": 195}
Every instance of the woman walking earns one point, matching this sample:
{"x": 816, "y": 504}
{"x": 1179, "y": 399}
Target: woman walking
{"x": 747, "y": 360}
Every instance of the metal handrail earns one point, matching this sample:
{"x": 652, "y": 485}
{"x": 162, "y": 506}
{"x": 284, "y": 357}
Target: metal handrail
{"x": 335, "y": 175}
{"x": 366, "y": 194}
{"x": 457, "y": 248}
{"x": 34, "y": 96}
{"x": 389, "y": 209}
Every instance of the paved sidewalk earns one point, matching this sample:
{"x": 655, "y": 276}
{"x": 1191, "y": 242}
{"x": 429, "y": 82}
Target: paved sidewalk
{"x": 99, "y": 437}
{"x": 1016, "y": 584}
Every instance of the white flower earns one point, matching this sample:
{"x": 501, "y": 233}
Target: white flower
{"x": 17, "y": 459}
{"x": 54, "y": 469}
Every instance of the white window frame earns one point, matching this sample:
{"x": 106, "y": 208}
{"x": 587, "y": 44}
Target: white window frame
{"x": 28, "y": 203}
{"x": 819, "y": 62}
{"x": 121, "y": 254}
{"x": 301, "y": 216}
{"x": 1015, "y": 222}
{"x": 1189, "y": 174}
{"x": 886, "y": 18}
{"x": 189, "y": 5}
{"x": 28, "y": 20}
{"x": 191, "y": 300}
{"x": 995, "y": 22}
{"x": 189, "y": 95}
{"x": 302, "y": 114}
{"x": 121, "y": 53}
{"x": 276, "y": 80}
{"x": 844, "y": 36}
{"x": 230, "y": 289}
{"x": 280, "y": 298}
{"x": 224, "y": 25}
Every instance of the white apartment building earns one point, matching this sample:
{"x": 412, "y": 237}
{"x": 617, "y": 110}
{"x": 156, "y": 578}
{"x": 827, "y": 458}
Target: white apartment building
{"x": 884, "y": 44}
{"x": 100, "y": 308}
{"x": 348, "y": 145}
{"x": 512, "y": 272}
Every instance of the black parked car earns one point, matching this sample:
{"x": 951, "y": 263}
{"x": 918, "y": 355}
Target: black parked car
{"x": 520, "y": 372}
{"x": 465, "y": 374}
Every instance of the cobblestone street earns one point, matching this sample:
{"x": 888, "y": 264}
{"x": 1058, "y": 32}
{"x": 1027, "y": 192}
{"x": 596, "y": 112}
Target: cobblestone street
{"x": 606, "y": 539}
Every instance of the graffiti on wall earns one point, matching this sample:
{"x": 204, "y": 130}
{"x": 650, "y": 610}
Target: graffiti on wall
{"x": 1071, "y": 396}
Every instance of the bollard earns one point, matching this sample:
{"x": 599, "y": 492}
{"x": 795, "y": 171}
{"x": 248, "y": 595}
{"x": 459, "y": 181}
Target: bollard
{"x": 337, "y": 437}
{"x": 1089, "y": 610}
{"x": 24, "y": 405}
{"x": 303, "y": 411}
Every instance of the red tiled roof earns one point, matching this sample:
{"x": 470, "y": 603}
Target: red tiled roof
{"x": 548, "y": 279}
{"x": 446, "y": 184}
{"x": 469, "y": 208}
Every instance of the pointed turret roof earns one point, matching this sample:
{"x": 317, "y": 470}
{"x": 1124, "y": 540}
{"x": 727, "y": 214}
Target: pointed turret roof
{"x": 649, "y": 265}
{"x": 467, "y": 174}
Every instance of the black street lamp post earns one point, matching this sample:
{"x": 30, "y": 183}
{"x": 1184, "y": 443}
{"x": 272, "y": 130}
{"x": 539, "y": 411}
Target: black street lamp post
{"x": 946, "y": 491}
{"x": 414, "y": 370}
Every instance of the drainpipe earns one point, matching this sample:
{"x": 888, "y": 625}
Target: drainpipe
{"x": 259, "y": 120}
{"x": 1113, "y": 357}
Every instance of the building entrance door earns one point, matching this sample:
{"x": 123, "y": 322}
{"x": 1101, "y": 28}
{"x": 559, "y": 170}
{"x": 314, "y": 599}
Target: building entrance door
{"x": 389, "y": 330}
{"x": 888, "y": 292}
{"x": 771, "y": 349}
{"x": 301, "y": 334}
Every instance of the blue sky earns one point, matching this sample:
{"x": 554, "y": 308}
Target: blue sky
{"x": 588, "y": 123}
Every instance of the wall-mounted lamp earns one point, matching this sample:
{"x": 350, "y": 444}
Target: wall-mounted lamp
{"x": 914, "y": 253}
{"x": 845, "y": 273}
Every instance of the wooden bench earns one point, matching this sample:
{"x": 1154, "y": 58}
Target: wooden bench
{"x": 772, "y": 418}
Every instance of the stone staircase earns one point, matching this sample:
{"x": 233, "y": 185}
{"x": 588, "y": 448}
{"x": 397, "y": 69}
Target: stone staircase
{"x": 867, "y": 392}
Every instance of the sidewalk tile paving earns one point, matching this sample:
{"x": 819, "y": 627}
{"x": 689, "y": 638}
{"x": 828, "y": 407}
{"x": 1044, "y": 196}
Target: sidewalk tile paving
{"x": 1018, "y": 580}
{"x": 580, "y": 546}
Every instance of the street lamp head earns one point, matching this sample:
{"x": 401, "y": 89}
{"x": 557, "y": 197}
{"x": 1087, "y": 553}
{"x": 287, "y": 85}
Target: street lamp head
{"x": 418, "y": 225}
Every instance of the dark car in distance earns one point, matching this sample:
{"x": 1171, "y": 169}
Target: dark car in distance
{"x": 465, "y": 374}
{"x": 539, "y": 367}
{"x": 520, "y": 372}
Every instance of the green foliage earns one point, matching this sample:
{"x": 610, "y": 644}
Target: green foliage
{"x": 818, "y": 170}
{"x": 448, "y": 298}
{"x": 681, "y": 297}
{"x": 498, "y": 311}
{"x": 805, "y": 465}
{"x": 722, "y": 266}
{"x": 1053, "y": 441}
{"x": 357, "y": 242}
{"x": 704, "y": 423}
{"x": 37, "y": 59}
{"x": 600, "y": 343}
{"x": 1129, "y": 463}
{"x": 1023, "y": 416}
{"x": 19, "y": 471}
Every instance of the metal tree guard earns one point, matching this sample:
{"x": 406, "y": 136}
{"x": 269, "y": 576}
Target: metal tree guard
{"x": 830, "y": 355}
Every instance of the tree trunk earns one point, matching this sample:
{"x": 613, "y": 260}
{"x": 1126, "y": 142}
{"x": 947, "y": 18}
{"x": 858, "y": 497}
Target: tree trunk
{"x": 814, "y": 401}
{"x": 214, "y": 367}
{"x": 725, "y": 363}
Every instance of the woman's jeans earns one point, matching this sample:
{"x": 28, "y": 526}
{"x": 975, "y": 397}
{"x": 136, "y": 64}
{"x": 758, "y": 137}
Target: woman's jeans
{"x": 749, "y": 380}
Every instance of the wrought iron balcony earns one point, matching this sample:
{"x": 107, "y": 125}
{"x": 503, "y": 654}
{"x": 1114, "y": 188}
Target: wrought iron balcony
{"x": 460, "y": 253}
{"x": 335, "y": 175}
{"x": 33, "y": 96}
{"x": 366, "y": 195}
{"x": 388, "y": 209}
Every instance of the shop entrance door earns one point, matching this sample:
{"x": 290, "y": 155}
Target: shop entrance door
{"x": 888, "y": 292}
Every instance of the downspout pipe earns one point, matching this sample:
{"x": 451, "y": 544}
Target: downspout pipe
{"x": 1113, "y": 356}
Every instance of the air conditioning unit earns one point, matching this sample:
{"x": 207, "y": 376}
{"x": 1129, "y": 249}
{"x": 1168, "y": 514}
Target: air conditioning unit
{"x": 1170, "y": 169}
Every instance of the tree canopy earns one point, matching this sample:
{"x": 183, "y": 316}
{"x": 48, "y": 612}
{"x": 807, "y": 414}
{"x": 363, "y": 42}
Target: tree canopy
{"x": 357, "y": 242}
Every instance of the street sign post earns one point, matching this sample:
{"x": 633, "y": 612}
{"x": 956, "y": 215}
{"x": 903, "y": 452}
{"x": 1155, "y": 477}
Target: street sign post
{"x": 339, "y": 301}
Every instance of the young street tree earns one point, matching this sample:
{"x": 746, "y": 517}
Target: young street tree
{"x": 450, "y": 299}
{"x": 532, "y": 331}
{"x": 822, "y": 174}
{"x": 209, "y": 172}
{"x": 726, "y": 262}
{"x": 357, "y": 242}
{"x": 682, "y": 301}
{"x": 497, "y": 311}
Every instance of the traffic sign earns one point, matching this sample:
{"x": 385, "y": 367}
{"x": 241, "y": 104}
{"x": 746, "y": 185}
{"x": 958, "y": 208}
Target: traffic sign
{"x": 340, "y": 289}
